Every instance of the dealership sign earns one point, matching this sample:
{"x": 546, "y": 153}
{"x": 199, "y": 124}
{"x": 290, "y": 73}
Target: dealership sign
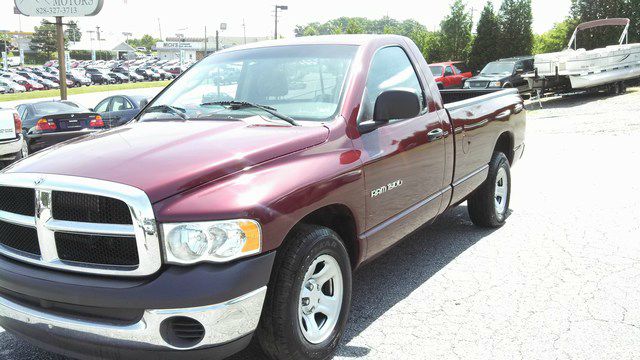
{"x": 56, "y": 8}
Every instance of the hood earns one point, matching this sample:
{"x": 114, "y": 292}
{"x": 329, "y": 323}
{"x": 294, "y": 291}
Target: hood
{"x": 164, "y": 158}
{"x": 498, "y": 77}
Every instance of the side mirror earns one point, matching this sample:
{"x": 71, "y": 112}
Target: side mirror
{"x": 144, "y": 103}
{"x": 520, "y": 71}
{"x": 392, "y": 105}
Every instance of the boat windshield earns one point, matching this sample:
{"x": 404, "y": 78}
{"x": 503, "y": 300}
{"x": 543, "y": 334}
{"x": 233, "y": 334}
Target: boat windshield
{"x": 498, "y": 68}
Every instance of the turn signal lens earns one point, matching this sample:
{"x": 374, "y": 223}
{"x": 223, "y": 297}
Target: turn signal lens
{"x": 17, "y": 122}
{"x": 45, "y": 125}
{"x": 97, "y": 122}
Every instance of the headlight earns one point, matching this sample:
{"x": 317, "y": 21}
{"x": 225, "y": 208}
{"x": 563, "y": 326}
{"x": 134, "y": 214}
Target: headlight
{"x": 495, "y": 84}
{"x": 216, "y": 241}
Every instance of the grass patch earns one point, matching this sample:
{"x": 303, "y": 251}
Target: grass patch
{"x": 82, "y": 90}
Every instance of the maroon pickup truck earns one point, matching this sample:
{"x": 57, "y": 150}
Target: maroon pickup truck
{"x": 238, "y": 204}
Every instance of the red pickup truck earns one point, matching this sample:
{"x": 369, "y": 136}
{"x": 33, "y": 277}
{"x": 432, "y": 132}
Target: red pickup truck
{"x": 450, "y": 75}
{"x": 238, "y": 204}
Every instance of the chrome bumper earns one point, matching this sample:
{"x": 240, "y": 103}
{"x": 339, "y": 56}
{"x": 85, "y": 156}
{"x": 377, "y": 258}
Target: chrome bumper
{"x": 10, "y": 147}
{"x": 223, "y": 323}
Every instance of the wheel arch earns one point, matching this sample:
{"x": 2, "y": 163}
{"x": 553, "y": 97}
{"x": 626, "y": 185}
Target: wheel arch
{"x": 339, "y": 218}
{"x": 505, "y": 145}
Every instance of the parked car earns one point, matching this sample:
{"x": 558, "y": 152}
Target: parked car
{"x": 119, "y": 78}
{"x": 450, "y": 75}
{"x": 100, "y": 76}
{"x": 30, "y": 85}
{"x": 120, "y": 109}
{"x": 47, "y": 123}
{"x": 12, "y": 144}
{"x": 504, "y": 73}
{"x": 48, "y": 84}
{"x": 78, "y": 79}
{"x": 246, "y": 223}
{"x": 11, "y": 86}
{"x": 147, "y": 74}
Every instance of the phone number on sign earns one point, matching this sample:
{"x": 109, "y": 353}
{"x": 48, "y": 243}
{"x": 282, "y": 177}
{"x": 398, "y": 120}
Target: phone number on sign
{"x": 57, "y": 10}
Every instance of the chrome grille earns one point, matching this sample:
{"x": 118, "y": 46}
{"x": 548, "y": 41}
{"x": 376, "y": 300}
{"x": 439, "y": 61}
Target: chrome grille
{"x": 83, "y": 225}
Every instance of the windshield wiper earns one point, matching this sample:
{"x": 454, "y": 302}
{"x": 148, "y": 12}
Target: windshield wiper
{"x": 237, "y": 105}
{"x": 172, "y": 109}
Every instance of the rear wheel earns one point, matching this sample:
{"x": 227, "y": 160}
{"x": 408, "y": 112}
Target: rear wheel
{"x": 489, "y": 204}
{"x": 309, "y": 297}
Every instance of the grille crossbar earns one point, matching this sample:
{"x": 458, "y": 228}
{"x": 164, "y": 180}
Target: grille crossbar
{"x": 128, "y": 247}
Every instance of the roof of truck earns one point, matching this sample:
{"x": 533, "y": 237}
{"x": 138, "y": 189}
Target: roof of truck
{"x": 359, "y": 40}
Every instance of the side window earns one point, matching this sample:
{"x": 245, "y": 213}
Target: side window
{"x": 120, "y": 104}
{"x": 390, "y": 69}
{"x": 102, "y": 107}
{"x": 448, "y": 71}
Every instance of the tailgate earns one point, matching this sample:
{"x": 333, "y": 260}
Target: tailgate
{"x": 7, "y": 125}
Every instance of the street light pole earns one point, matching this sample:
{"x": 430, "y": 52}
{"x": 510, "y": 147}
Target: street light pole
{"x": 62, "y": 67}
{"x": 279, "y": 7}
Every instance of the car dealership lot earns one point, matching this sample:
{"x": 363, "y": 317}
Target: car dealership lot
{"x": 559, "y": 281}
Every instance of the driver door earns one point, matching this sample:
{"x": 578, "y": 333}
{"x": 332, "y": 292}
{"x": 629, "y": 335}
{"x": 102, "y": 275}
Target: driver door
{"x": 403, "y": 160}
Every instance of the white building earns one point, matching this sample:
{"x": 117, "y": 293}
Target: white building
{"x": 193, "y": 49}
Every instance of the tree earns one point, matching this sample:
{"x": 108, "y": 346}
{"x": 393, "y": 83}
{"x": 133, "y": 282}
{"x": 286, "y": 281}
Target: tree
{"x": 5, "y": 42}
{"x": 455, "y": 32}
{"x": 555, "y": 39}
{"x": 516, "y": 20}
{"x": 486, "y": 45}
{"x": 147, "y": 41}
{"x": 633, "y": 12}
{"x": 44, "y": 38}
{"x": 73, "y": 33}
{"x": 354, "y": 26}
{"x": 588, "y": 10}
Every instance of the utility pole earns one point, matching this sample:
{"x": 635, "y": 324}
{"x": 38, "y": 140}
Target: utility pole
{"x": 217, "y": 40}
{"x": 62, "y": 67}
{"x": 160, "y": 29}
{"x": 205, "y": 41}
{"x": 98, "y": 32}
{"x": 244, "y": 30}
{"x": 279, "y": 7}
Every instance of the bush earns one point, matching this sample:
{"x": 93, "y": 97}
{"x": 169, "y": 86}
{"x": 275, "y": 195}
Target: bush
{"x": 35, "y": 58}
{"x": 86, "y": 55}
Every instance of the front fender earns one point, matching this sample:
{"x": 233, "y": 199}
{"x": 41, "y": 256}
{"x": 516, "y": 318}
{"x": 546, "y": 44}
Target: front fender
{"x": 278, "y": 193}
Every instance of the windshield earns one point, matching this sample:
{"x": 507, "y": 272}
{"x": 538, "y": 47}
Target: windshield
{"x": 436, "y": 70}
{"x": 303, "y": 82}
{"x": 53, "y": 108}
{"x": 498, "y": 68}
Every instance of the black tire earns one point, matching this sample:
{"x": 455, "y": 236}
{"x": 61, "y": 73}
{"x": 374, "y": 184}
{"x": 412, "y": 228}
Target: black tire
{"x": 482, "y": 205}
{"x": 279, "y": 334}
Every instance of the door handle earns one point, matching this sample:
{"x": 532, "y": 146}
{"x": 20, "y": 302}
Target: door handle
{"x": 436, "y": 134}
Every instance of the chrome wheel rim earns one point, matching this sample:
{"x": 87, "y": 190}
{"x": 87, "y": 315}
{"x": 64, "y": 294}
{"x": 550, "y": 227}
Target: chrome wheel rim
{"x": 320, "y": 301}
{"x": 502, "y": 191}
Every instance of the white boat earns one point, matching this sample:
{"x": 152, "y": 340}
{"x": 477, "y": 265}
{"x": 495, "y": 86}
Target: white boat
{"x": 584, "y": 69}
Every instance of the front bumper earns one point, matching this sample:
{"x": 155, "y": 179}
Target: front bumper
{"x": 223, "y": 323}
{"x": 91, "y": 317}
{"x": 10, "y": 148}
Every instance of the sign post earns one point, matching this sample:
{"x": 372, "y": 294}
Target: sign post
{"x": 62, "y": 67}
{"x": 59, "y": 9}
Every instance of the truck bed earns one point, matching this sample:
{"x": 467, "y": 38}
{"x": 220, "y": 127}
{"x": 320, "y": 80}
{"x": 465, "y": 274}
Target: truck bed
{"x": 454, "y": 99}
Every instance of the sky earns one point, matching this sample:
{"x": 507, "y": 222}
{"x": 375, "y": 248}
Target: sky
{"x": 189, "y": 17}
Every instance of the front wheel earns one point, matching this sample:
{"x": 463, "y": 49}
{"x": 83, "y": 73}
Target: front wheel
{"x": 489, "y": 205}
{"x": 309, "y": 297}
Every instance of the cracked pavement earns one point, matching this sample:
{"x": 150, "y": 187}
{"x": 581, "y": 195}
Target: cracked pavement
{"x": 558, "y": 281}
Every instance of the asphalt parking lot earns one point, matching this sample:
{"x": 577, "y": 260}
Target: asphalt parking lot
{"x": 559, "y": 281}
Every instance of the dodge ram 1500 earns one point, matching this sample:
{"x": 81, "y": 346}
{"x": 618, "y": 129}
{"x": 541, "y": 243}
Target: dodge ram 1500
{"x": 239, "y": 202}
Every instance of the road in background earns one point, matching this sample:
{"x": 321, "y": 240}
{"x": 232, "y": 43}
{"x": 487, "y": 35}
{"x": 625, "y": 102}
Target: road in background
{"x": 558, "y": 281}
